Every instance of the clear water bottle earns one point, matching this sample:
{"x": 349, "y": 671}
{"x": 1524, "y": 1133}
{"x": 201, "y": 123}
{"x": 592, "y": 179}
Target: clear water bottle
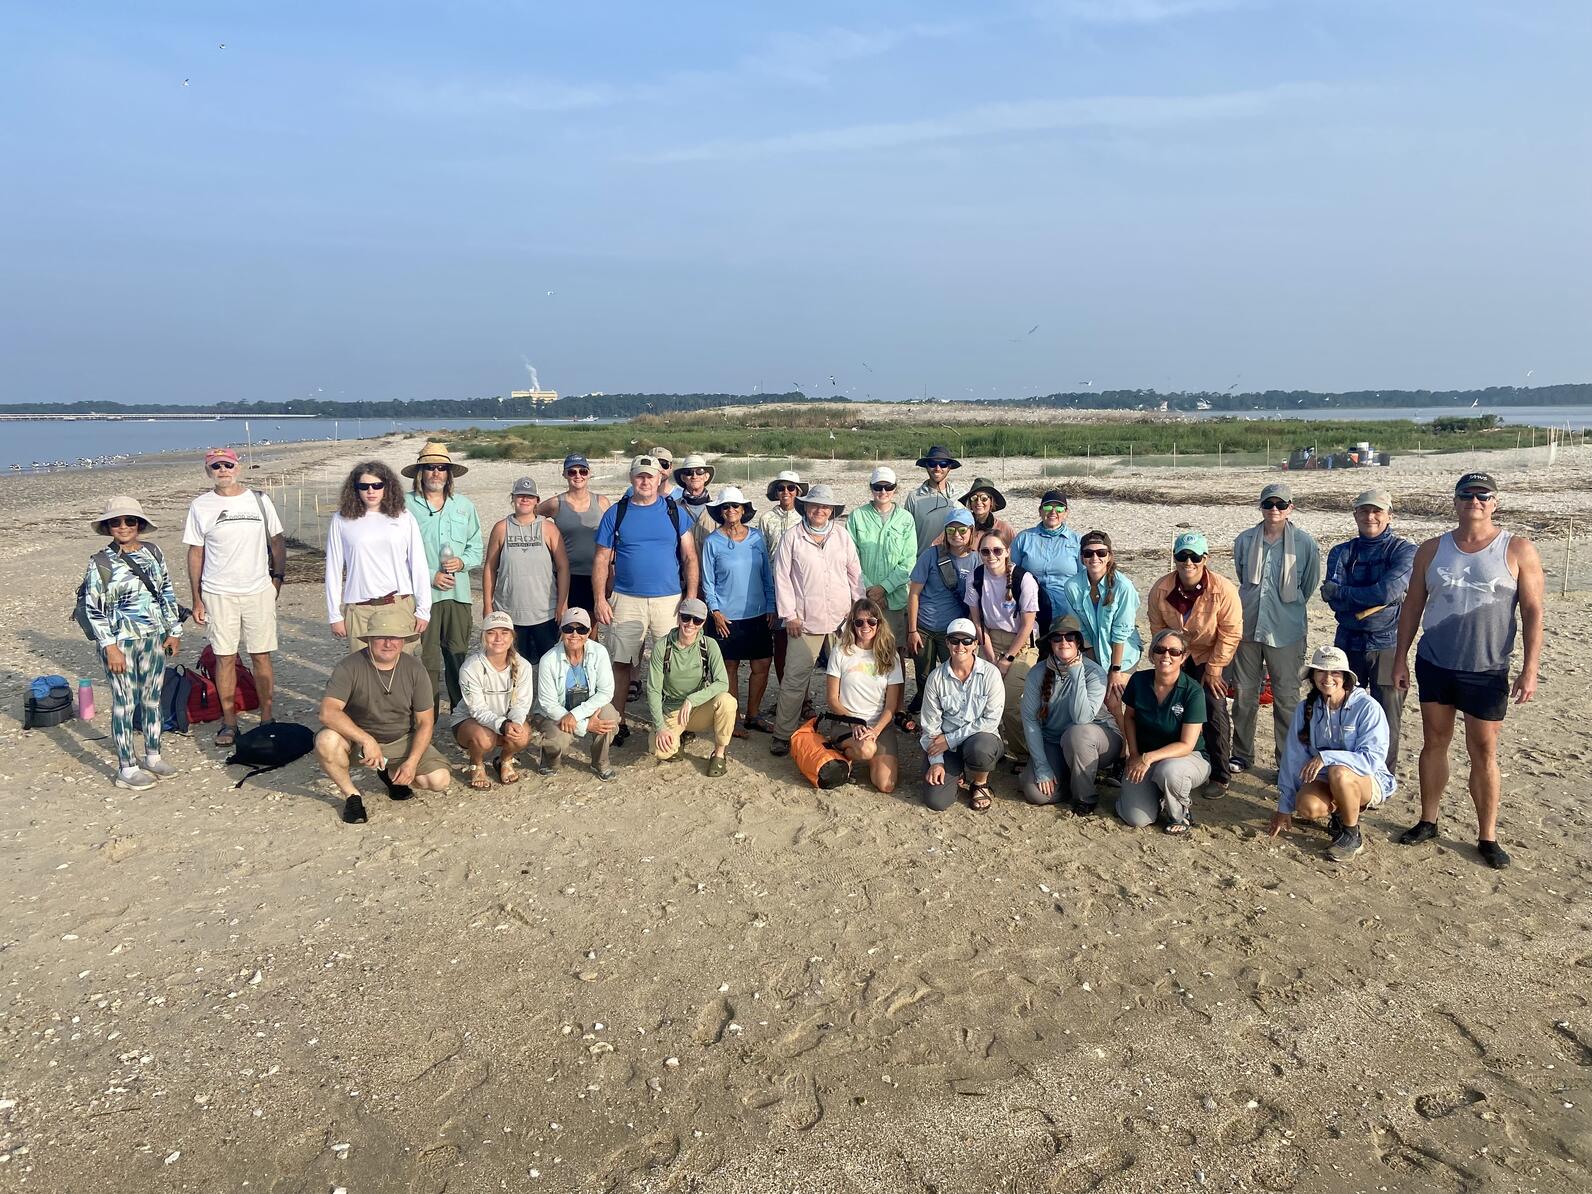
{"x": 85, "y": 699}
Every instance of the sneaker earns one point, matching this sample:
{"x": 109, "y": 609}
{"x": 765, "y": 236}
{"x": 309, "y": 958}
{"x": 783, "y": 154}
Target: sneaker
{"x": 547, "y": 766}
{"x": 395, "y": 791}
{"x": 135, "y": 778}
{"x": 780, "y": 746}
{"x": 605, "y": 773}
{"x": 1493, "y": 854}
{"x": 1083, "y": 809}
{"x": 717, "y": 766}
{"x": 1238, "y": 764}
{"x": 1346, "y": 845}
{"x": 354, "y": 810}
{"x": 1216, "y": 789}
{"x": 159, "y": 768}
{"x": 1421, "y": 831}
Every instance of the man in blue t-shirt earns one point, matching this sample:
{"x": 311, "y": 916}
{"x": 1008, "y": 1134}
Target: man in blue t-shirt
{"x": 651, "y": 564}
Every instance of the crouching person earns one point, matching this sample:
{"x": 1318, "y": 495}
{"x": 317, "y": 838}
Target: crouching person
{"x": 688, "y": 689}
{"x": 493, "y": 715}
{"x": 574, "y": 696}
{"x": 379, "y": 710}
{"x": 1163, "y": 721}
{"x": 1071, "y": 734}
{"x": 963, "y": 700}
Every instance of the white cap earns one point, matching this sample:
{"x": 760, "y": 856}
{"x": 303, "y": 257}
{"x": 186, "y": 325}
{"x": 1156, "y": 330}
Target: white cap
{"x": 961, "y": 626}
{"x": 883, "y": 473}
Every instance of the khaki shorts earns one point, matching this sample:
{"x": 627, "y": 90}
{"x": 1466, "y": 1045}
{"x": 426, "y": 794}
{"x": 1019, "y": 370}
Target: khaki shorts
{"x": 634, "y": 619}
{"x": 248, "y": 621}
{"x": 396, "y": 751}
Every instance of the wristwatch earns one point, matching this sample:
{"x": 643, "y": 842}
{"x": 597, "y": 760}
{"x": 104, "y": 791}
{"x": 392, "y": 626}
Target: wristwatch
{"x": 1011, "y": 659}
{"x": 1115, "y": 667}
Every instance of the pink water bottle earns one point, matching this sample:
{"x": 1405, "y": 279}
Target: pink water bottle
{"x": 85, "y": 699}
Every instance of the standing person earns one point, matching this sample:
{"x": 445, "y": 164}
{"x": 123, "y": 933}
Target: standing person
{"x": 1003, "y": 602}
{"x": 1204, "y": 607}
{"x": 817, "y": 576}
{"x": 129, "y": 605}
{"x": 375, "y": 557}
{"x": 1367, "y": 577}
{"x": 377, "y": 709}
{"x": 738, "y": 587}
{"x": 688, "y": 689}
{"x": 1279, "y": 567}
{"x": 934, "y": 598}
{"x": 865, "y": 679}
{"x": 1464, "y": 589}
{"x": 1335, "y": 764}
{"x": 1050, "y": 550}
{"x": 983, "y": 502}
{"x": 237, "y": 559}
{"x": 782, "y": 515}
{"x": 1164, "y": 732}
{"x": 692, "y": 476}
{"x": 887, "y": 546}
{"x": 962, "y": 706}
{"x": 576, "y": 512}
{"x": 1070, "y": 731}
{"x": 646, "y": 550}
{"x": 930, "y": 502}
{"x": 1107, "y": 608}
{"x": 451, "y": 530}
{"x": 666, "y": 487}
{"x": 527, "y": 573}
{"x": 495, "y": 711}
{"x": 575, "y": 696}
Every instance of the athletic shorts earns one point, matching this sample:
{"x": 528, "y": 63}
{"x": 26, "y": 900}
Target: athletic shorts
{"x": 248, "y": 621}
{"x": 1483, "y": 695}
{"x": 634, "y": 618}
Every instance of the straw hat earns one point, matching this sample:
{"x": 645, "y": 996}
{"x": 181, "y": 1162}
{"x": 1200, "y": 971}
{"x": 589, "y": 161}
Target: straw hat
{"x": 118, "y": 507}
{"x": 391, "y": 622}
{"x": 434, "y": 453}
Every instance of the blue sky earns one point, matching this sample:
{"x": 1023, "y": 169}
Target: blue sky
{"x": 374, "y": 199}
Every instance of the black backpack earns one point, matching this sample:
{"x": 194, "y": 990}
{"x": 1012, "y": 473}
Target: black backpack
{"x": 673, "y": 506}
{"x": 49, "y": 710}
{"x": 269, "y": 746}
{"x": 1042, "y": 619}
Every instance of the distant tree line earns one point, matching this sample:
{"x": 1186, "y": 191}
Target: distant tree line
{"x": 1280, "y": 400}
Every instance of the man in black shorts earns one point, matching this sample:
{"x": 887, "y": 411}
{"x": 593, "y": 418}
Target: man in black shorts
{"x": 1464, "y": 590}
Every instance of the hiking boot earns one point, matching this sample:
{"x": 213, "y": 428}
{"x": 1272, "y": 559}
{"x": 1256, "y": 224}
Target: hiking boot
{"x": 159, "y": 768}
{"x": 1346, "y": 845}
{"x": 1084, "y": 808}
{"x": 135, "y": 778}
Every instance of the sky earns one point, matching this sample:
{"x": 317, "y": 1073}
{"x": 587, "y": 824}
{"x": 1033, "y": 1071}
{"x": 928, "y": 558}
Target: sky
{"x": 377, "y": 199}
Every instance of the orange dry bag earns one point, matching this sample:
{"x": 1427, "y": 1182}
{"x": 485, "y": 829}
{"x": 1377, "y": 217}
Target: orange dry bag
{"x": 817, "y": 759}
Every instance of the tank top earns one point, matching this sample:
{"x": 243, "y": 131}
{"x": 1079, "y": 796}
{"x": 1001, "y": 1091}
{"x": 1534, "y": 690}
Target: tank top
{"x": 525, "y": 587}
{"x": 580, "y": 534}
{"x": 1469, "y": 621}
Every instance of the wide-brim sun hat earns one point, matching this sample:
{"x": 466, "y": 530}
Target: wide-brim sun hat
{"x": 434, "y": 453}
{"x": 1329, "y": 659}
{"x": 695, "y": 460}
{"x": 822, "y": 495}
{"x": 1066, "y": 624}
{"x": 938, "y": 455}
{"x": 730, "y": 496}
{"x": 121, "y": 507}
{"x": 786, "y": 478}
{"x": 391, "y": 622}
{"x": 985, "y": 485}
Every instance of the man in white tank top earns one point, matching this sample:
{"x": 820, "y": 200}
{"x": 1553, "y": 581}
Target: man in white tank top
{"x": 1464, "y": 590}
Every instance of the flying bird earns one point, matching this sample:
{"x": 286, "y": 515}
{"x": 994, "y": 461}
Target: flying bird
{"x": 1033, "y": 329}
{"x": 185, "y": 82}
{"x": 869, "y": 368}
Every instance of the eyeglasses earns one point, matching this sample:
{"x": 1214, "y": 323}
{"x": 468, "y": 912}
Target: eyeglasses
{"x": 368, "y": 486}
{"x": 1274, "y": 504}
{"x": 693, "y": 472}
{"x": 217, "y": 466}
{"x": 1188, "y": 557}
{"x": 576, "y": 472}
{"x": 1053, "y": 508}
{"x": 992, "y": 553}
{"x": 1482, "y": 498}
{"x": 113, "y": 523}
{"x": 1172, "y": 652}
{"x": 881, "y": 487}
{"x": 958, "y": 530}
{"x": 786, "y": 489}
{"x": 1096, "y": 553}
{"x": 959, "y": 640}
{"x": 435, "y": 468}
{"x": 863, "y": 623}
{"x": 573, "y": 628}
{"x": 691, "y": 620}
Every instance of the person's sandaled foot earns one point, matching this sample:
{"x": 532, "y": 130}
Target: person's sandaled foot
{"x": 739, "y": 731}
{"x": 226, "y": 735}
{"x": 623, "y": 734}
{"x": 1176, "y": 829}
{"x": 508, "y": 771}
{"x": 478, "y": 777}
{"x": 906, "y": 723}
{"x": 354, "y": 810}
{"x": 978, "y": 797}
{"x": 717, "y": 766}
{"x": 760, "y": 724}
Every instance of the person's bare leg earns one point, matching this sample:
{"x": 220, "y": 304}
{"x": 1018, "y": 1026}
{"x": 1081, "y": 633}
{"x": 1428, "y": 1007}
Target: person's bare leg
{"x": 1351, "y": 792}
{"x": 477, "y": 740}
{"x": 433, "y": 781}
{"x": 515, "y": 740}
{"x": 1313, "y": 801}
{"x": 332, "y": 750}
{"x": 883, "y": 770}
{"x": 756, "y": 686}
{"x": 227, "y": 688}
{"x": 264, "y": 684}
{"x": 1437, "y": 731}
{"x": 1481, "y": 743}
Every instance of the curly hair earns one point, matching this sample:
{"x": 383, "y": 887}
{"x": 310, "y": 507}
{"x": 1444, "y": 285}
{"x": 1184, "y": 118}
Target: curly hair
{"x": 350, "y": 505}
{"x": 1314, "y": 698}
{"x": 1104, "y": 540}
{"x": 884, "y": 644}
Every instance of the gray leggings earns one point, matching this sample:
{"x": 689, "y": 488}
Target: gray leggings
{"x": 1081, "y": 753}
{"x": 1166, "y": 790}
{"x": 979, "y": 753}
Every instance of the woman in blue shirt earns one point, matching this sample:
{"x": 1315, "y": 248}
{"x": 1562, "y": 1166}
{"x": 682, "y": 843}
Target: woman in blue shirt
{"x": 738, "y": 586}
{"x": 1049, "y": 550}
{"x": 1107, "y": 608}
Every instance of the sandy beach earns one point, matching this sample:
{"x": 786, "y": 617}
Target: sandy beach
{"x": 671, "y": 983}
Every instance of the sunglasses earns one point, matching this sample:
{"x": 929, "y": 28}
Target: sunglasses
{"x": 864, "y": 623}
{"x": 221, "y": 464}
{"x": 1067, "y": 636}
{"x": 958, "y": 530}
{"x": 1100, "y": 553}
{"x": 693, "y": 472}
{"x": 113, "y": 523}
{"x": 1274, "y": 504}
{"x": 369, "y": 486}
{"x": 1054, "y": 508}
{"x": 435, "y": 468}
{"x": 991, "y": 553}
{"x": 1483, "y": 498}
{"x": 691, "y": 620}
{"x": 576, "y": 472}
{"x": 938, "y": 468}
{"x": 1188, "y": 557}
{"x": 1173, "y": 652}
{"x": 881, "y": 487}
{"x": 960, "y": 640}
{"x": 786, "y": 489}
{"x": 573, "y": 628}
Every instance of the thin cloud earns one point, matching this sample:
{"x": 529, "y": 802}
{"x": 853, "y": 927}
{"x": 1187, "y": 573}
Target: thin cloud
{"x": 1132, "y": 12}
{"x": 1128, "y": 112}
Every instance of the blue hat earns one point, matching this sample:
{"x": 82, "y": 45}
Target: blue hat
{"x": 576, "y": 460}
{"x": 962, "y": 517}
{"x": 1192, "y": 541}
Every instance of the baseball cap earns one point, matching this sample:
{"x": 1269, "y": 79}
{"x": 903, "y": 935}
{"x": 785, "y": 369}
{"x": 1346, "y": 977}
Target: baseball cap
{"x": 576, "y": 616}
{"x": 1475, "y": 483}
{"x": 961, "y": 626}
{"x": 575, "y": 460}
{"x": 1380, "y": 498}
{"x": 884, "y": 473}
{"x": 1278, "y": 489}
{"x": 216, "y": 454}
{"x": 497, "y": 621}
{"x": 646, "y": 464}
{"x": 959, "y": 517}
{"x": 1053, "y": 497}
{"x": 524, "y": 487}
{"x": 1193, "y": 541}
{"x": 693, "y": 607}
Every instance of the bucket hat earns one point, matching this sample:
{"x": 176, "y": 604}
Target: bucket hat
{"x": 730, "y": 496}
{"x": 1066, "y": 624}
{"x": 391, "y": 622}
{"x": 822, "y": 495}
{"x": 119, "y": 507}
{"x": 694, "y": 460}
{"x": 786, "y": 478}
{"x": 1329, "y": 659}
{"x": 434, "y": 453}
{"x": 985, "y": 485}
{"x": 938, "y": 455}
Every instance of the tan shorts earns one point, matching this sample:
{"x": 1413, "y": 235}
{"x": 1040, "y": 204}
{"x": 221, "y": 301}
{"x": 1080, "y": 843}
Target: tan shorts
{"x": 396, "y": 751}
{"x": 247, "y": 621}
{"x": 634, "y": 619}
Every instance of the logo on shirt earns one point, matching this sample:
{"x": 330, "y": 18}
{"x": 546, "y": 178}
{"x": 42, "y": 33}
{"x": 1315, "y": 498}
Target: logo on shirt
{"x": 229, "y": 516}
{"x": 1177, "y": 710}
{"x": 1456, "y": 580}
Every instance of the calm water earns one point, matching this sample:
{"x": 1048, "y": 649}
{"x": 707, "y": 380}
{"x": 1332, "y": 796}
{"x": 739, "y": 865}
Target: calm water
{"x": 24, "y": 441}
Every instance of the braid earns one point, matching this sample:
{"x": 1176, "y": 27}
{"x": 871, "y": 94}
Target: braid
{"x": 1045, "y": 689}
{"x": 1310, "y": 711}
{"x": 514, "y": 670}
{"x": 1111, "y": 579}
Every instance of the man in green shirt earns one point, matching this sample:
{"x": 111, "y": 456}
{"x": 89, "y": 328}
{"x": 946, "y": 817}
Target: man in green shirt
{"x": 887, "y": 547}
{"x": 688, "y": 688}
{"x": 451, "y": 531}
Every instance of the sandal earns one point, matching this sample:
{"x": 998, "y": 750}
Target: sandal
{"x": 226, "y": 735}
{"x": 478, "y": 777}
{"x": 906, "y": 723}
{"x": 739, "y": 732}
{"x": 1176, "y": 829}
{"x": 760, "y": 723}
{"x": 508, "y": 772}
{"x": 978, "y": 797}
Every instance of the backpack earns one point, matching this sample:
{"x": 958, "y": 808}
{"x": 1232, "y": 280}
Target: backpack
{"x": 247, "y": 696}
{"x": 174, "y": 690}
{"x": 269, "y": 746}
{"x": 202, "y": 701}
{"x": 674, "y": 521}
{"x": 950, "y": 577}
{"x": 1042, "y": 619}
{"x": 49, "y": 708}
{"x": 102, "y": 563}
{"x": 702, "y": 645}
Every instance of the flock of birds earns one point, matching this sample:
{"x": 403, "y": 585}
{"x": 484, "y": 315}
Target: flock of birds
{"x": 52, "y": 466}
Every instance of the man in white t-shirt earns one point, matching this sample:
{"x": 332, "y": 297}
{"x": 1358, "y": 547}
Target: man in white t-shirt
{"x": 236, "y": 561}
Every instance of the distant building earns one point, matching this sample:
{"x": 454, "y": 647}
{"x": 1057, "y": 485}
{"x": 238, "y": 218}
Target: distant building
{"x": 536, "y": 397}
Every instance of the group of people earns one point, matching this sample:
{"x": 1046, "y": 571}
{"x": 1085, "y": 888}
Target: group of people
{"x": 1025, "y": 645}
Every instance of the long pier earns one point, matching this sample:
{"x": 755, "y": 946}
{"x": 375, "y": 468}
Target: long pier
{"x": 161, "y": 418}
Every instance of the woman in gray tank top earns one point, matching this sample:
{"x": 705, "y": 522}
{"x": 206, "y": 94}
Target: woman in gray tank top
{"x": 526, "y": 573}
{"x": 576, "y": 512}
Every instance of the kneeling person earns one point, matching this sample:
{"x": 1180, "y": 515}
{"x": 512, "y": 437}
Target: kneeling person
{"x": 688, "y": 688}
{"x": 963, "y": 699}
{"x": 574, "y": 696}
{"x": 379, "y": 709}
{"x": 494, "y": 710}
